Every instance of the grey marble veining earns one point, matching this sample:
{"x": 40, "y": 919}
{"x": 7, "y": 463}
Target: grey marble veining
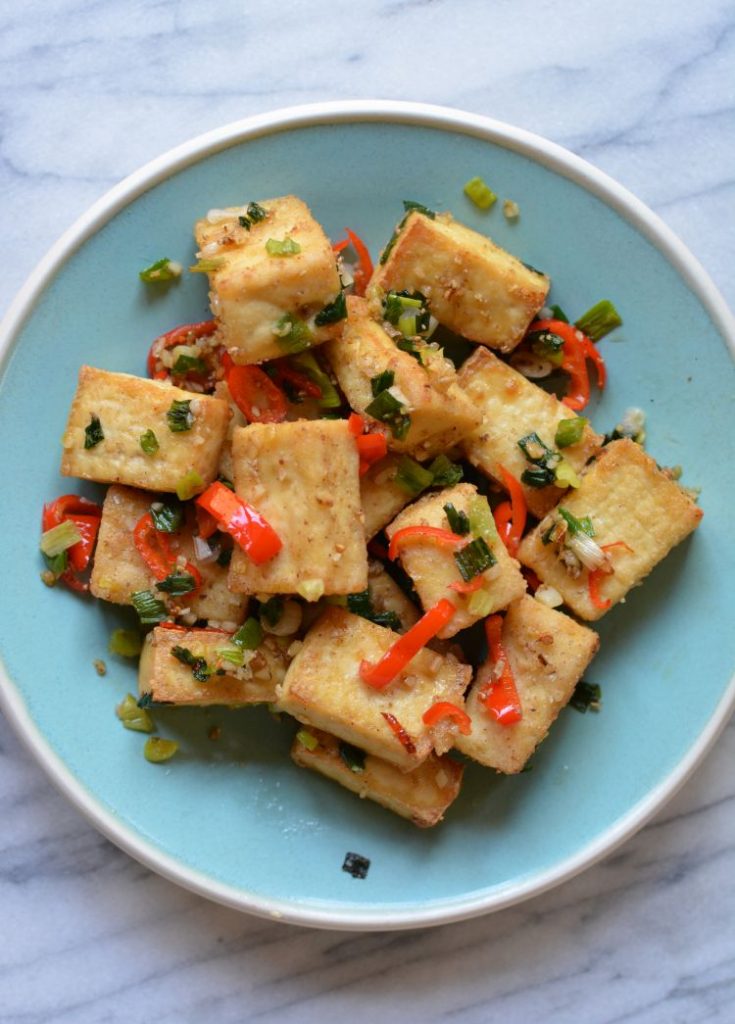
{"x": 89, "y": 90}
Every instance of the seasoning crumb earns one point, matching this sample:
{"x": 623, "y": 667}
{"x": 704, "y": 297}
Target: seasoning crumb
{"x": 48, "y": 578}
{"x": 356, "y": 865}
{"x": 511, "y": 209}
{"x": 214, "y": 733}
{"x": 100, "y": 667}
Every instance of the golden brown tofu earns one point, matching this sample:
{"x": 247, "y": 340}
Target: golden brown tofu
{"x": 255, "y": 294}
{"x": 422, "y": 795}
{"x": 472, "y": 286}
{"x": 323, "y": 688}
{"x": 433, "y": 568}
{"x": 513, "y": 407}
{"x": 382, "y": 498}
{"x": 303, "y": 477}
{"x": 548, "y": 654}
{"x": 631, "y": 503}
{"x": 198, "y": 675}
{"x": 119, "y": 570}
{"x": 123, "y": 408}
{"x": 438, "y": 410}
{"x": 387, "y": 596}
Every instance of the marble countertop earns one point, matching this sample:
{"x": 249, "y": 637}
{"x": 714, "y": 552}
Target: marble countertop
{"x": 91, "y": 90}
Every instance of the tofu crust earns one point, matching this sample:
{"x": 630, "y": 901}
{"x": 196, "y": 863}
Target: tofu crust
{"x": 513, "y": 407}
{"x": 166, "y": 680}
{"x": 323, "y": 689}
{"x": 548, "y": 654}
{"x": 422, "y": 795}
{"x": 472, "y": 285}
{"x": 382, "y": 498}
{"x": 628, "y": 499}
{"x": 127, "y": 407}
{"x": 433, "y": 568}
{"x": 251, "y": 289}
{"x": 304, "y": 478}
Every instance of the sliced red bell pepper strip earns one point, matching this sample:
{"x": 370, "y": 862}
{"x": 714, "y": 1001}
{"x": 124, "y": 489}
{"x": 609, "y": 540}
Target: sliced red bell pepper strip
{"x": 399, "y": 731}
{"x": 503, "y": 516}
{"x": 406, "y": 647}
{"x": 595, "y": 576}
{"x": 187, "y": 334}
{"x": 514, "y": 531}
{"x": 256, "y": 395}
{"x": 86, "y": 516}
{"x": 500, "y": 695}
{"x": 154, "y": 548}
{"x": 371, "y": 448}
{"x": 445, "y": 709}
{"x": 577, "y": 349}
{"x": 443, "y": 538}
{"x": 248, "y": 528}
{"x": 364, "y": 269}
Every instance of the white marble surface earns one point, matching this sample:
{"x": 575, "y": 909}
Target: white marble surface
{"x": 90, "y": 89}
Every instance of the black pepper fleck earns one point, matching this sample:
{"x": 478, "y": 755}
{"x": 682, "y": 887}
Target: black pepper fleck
{"x": 356, "y": 865}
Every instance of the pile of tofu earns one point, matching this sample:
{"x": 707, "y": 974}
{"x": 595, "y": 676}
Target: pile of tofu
{"x": 303, "y": 476}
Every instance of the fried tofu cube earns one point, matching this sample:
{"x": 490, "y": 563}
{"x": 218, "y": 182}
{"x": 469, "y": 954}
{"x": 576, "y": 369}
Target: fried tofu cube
{"x": 513, "y": 407}
{"x": 323, "y": 688}
{"x": 548, "y": 654}
{"x": 382, "y": 498}
{"x": 422, "y": 795}
{"x": 303, "y": 477}
{"x": 387, "y": 596}
{"x": 433, "y": 568}
{"x": 256, "y": 294}
{"x": 187, "y": 667}
{"x": 633, "y": 505}
{"x": 112, "y": 411}
{"x": 119, "y": 570}
{"x": 472, "y": 285}
{"x": 438, "y": 411}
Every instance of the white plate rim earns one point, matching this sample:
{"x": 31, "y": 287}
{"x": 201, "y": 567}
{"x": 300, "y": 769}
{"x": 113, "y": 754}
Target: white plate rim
{"x": 381, "y": 917}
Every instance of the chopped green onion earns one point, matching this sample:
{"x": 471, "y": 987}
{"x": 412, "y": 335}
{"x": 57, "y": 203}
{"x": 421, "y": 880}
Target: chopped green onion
{"x": 207, "y": 266}
{"x": 198, "y": 665}
{"x": 412, "y": 476}
{"x": 586, "y": 697}
{"x": 307, "y": 362}
{"x": 228, "y": 483}
{"x": 125, "y": 642}
{"x": 293, "y": 335}
{"x": 353, "y": 757}
{"x": 583, "y": 525}
{"x": 362, "y": 604}
{"x": 185, "y": 364}
{"x": 382, "y": 382}
{"x": 409, "y": 345}
{"x": 272, "y": 610}
{"x": 632, "y": 425}
{"x": 535, "y": 450}
{"x": 458, "y": 521}
{"x": 480, "y": 603}
{"x": 232, "y": 655}
{"x": 167, "y": 518}
{"x": 149, "y": 442}
{"x": 598, "y": 321}
{"x": 387, "y": 409}
{"x": 256, "y": 212}
{"x": 548, "y": 345}
{"x": 56, "y": 566}
{"x": 179, "y": 416}
{"x": 162, "y": 270}
{"x": 60, "y": 538}
{"x": 565, "y": 475}
{"x": 93, "y": 432}
{"x": 250, "y": 635}
{"x": 569, "y": 432}
{"x": 132, "y": 716}
{"x": 408, "y": 325}
{"x": 150, "y": 610}
{"x": 310, "y": 590}
{"x": 481, "y": 519}
{"x": 157, "y": 750}
{"x": 283, "y": 247}
{"x": 333, "y": 312}
{"x": 396, "y": 304}
{"x": 511, "y": 209}
{"x": 538, "y": 476}
{"x": 445, "y": 472}
{"x": 388, "y": 619}
{"x": 558, "y": 313}
{"x": 479, "y": 193}
{"x": 189, "y": 485}
{"x": 177, "y": 584}
{"x": 413, "y": 207}
{"x": 307, "y": 739}
{"x": 474, "y": 558}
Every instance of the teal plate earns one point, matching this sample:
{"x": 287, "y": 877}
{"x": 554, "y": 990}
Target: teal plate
{"x": 234, "y": 819}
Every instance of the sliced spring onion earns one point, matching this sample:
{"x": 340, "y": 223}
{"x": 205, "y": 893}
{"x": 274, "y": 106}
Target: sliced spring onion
{"x": 125, "y": 642}
{"x": 586, "y": 697}
{"x": 149, "y": 442}
{"x": 535, "y": 450}
{"x": 412, "y": 476}
{"x": 445, "y": 472}
{"x": 255, "y": 213}
{"x": 381, "y": 382}
{"x": 250, "y": 635}
{"x": 311, "y": 590}
{"x": 198, "y": 665}
{"x": 410, "y": 206}
{"x": 547, "y": 345}
{"x": 150, "y": 610}
{"x": 307, "y": 362}
{"x": 186, "y": 364}
{"x": 565, "y": 475}
{"x": 538, "y": 476}
{"x": 132, "y": 716}
{"x": 207, "y": 266}
{"x": 474, "y": 558}
{"x": 569, "y": 432}
{"x": 307, "y": 739}
{"x": 408, "y": 325}
{"x": 282, "y": 247}
{"x": 577, "y": 526}
{"x": 480, "y": 603}
{"x": 409, "y": 345}
{"x": 362, "y": 604}
{"x": 232, "y": 655}
{"x": 179, "y": 416}
{"x": 60, "y": 538}
{"x": 557, "y": 313}
{"x": 93, "y": 432}
{"x": 353, "y": 757}
{"x": 158, "y": 750}
{"x": 333, "y": 312}
{"x": 177, "y": 584}
{"x": 481, "y": 519}
{"x": 458, "y": 520}
{"x": 167, "y": 518}
{"x": 396, "y": 304}
{"x": 386, "y": 408}
{"x": 598, "y": 321}
{"x": 162, "y": 270}
{"x": 632, "y": 425}
{"x": 479, "y": 193}
{"x": 588, "y": 551}
{"x": 293, "y": 334}
{"x": 189, "y": 485}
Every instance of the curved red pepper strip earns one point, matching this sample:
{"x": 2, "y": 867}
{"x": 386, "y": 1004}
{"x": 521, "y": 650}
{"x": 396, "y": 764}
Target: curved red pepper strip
{"x": 578, "y": 348}
{"x": 518, "y": 511}
{"x": 371, "y": 448}
{"x": 186, "y": 334}
{"x": 86, "y": 516}
{"x": 468, "y": 588}
{"x": 400, "y": 732}
{"x": 443, "y": 538}
{"x": 364, "y": 269}
{"x": 356, "y": 424}
{"x": 256, "y": 395}
{"x": 81, "y": 552}
{"x": 500, "y": 696}
{"x": 406, "y": 647}
{"x": 445, "y": 709}
{"x": 154, "y": 548}
{"x": 595, "y": 576}
{"x": 248, "y": 528}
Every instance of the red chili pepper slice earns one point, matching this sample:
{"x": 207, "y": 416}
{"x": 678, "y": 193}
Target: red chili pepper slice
{"x": 256, "y": 395}
{"x": 86, "y": 517}
{"x": 443, "y": 538}
{"x": 400, "y": 732}
{"x": 206, "y": 524}
{"x": 186, "y": 334}
{"x": 407, "y": 646}
{"x": 356, "y": 424}
{"x": 500, "y": 696}
{"x": 364, "y": 269}
{"x": 513, "y": 531}
{"x": 300, "y": 381}
{"x": 81, "y": 552}
{"x": 468, "y": 588}
{"x": 154, "y": 548}
{"x": 445, "y": 709}
{"x": 577, "y": 349}
{"x": 249, "y": 529}
{"x": 371, "y": 448}
{"x": 595, "y": 576}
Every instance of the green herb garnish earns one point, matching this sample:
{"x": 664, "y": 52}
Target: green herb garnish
{"x": 93, "y": 432}
{"x": 292, "y": 334}
{"x": 547, "y": 345}
{"x": 149, "y": 442}
{"x": 333, "y": 312}
{"x": 598, "y": 321}
{"x": 133, "y": 716}
{"x": 307, "y": 362}
{"x": 458, "y": 520}
{"x": 177, "y": 584}
{"x": 412, "y": 476}
{"x": 362, "y": 604}
{"x": 179, "y": 416}
{"x": 150, "y": 610}
{"x": 186, "y": 364}
{"x": 586, "y": 697}
{"x": 386, "y": 408}
{"x": 445, "y": 472}
{"x": 583, "y": 525}
{"x": 474, "y": 558}
{"x": 157, "y": 750}
{"x": 353, "y": 757}
{"x": 167, "y": 518}
{"x": 207, "y": 266}
{"x": 199, "y": 667}
{"x": 535, "y": 450}
{"x": 538, "y": 476}
{"x": 382, "y": 382}
{"x": 160, "y": 271}
{"x": 479, "y": 193}
{"x": 250, "y": 635}
{"x": 189, "y": 485}
{"x": 569, "y": 432}
{"x": 60, "y": 538}
{"x": 282, "y": 247}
